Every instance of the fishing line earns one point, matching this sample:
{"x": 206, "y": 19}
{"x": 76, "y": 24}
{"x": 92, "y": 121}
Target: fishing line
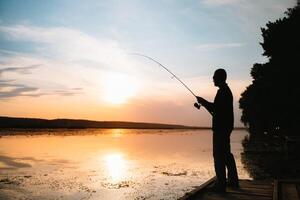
{"x": 173, "y": 75}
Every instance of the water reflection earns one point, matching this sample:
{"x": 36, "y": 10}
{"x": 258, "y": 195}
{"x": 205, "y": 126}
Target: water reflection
{"x": 7, "y": 162}
{"x": 265, "y": 159}
{"x": 110, "y": 163}
{"x": 117, "y": 132}
{"x": 115, "y": 165}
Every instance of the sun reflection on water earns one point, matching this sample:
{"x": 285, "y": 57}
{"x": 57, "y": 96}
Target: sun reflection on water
{"x": 115, "y": 165}
{"x": 117, "y": 133}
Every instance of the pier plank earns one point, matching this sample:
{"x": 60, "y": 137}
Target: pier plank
{"x": 289, "y": 191}
{"x": 250, "y": 190}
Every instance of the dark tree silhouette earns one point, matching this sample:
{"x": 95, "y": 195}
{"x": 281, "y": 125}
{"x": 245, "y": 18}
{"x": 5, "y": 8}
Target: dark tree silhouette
{"x": 271, "y": 104}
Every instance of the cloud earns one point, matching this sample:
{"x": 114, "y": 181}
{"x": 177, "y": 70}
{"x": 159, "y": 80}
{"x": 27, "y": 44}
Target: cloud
{"x": 70, "y": 92}
{"x": 70, "y": 58}
{"x": 61, "y": 57}
{"x": 21, "y": 70}
{"x": 216, "y": 46}
{"x": 9, "y": 89}
{"x": 71, "y": 45}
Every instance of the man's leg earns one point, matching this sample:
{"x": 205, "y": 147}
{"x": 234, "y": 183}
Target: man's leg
{"x": 219, "y": 159}
{"x": 230, "y": 164}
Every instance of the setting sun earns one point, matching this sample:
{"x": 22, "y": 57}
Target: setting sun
{"x": 118, "y": 88}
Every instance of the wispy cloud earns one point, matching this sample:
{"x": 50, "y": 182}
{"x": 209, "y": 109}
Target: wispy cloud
{"x": 70, "y": 92}
{"x": 64, "y": 53}
{"x": 216, "y": 46}
{"x": 22, "y": 70}
{"x": 71, "y": 45}
{"x": 10, "y": 89}
{"x": 68, "y": 56}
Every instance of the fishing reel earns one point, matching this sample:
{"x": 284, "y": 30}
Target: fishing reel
{"x": 197, "y": 106}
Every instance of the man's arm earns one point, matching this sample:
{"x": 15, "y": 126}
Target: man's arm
{"x": 208, "y": 105}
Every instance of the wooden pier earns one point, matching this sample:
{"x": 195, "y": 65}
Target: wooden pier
{"x": 249, "y": 190}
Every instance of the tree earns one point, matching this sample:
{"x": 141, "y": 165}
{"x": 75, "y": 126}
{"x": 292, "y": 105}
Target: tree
{"x": 271, "y": 104}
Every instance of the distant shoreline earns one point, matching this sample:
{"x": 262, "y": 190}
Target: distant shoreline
{"x": 37, "y": 123}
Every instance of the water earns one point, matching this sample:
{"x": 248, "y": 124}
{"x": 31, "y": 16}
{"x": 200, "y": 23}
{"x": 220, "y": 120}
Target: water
{"x": 108, "y": 164}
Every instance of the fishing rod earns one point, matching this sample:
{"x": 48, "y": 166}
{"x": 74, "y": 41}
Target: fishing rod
{"x": 173, "y": 75}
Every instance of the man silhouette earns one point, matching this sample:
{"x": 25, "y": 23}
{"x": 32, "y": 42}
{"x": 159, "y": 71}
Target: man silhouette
{"x": 222, "y": 125}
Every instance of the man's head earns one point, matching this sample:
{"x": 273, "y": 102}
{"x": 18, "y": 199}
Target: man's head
{"x": 219, "y": 77}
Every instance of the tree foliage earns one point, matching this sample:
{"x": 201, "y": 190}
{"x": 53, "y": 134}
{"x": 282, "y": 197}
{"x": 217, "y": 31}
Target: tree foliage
{"x": 271, "y": 104}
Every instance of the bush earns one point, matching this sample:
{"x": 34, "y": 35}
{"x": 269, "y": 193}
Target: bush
{"x": 271, "y": 104}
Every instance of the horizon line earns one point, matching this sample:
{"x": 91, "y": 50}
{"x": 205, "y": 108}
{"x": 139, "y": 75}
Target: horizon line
{"x": 140, "y": 122}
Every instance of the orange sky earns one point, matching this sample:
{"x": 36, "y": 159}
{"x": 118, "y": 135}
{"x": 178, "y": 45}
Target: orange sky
{"x": 169, "y": 104}
{"x": 54, "y": 64}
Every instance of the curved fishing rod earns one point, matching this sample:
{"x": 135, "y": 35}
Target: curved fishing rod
{"x": 173, "y": 75}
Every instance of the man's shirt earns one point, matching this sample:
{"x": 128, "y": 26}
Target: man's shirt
{"x": 223, "y": 110}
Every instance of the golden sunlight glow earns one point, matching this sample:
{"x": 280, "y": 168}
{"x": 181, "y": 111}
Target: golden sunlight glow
{"x": 116, "y": 165}
{"x": 117, "y": 132}
{"x": 118, "y": 88}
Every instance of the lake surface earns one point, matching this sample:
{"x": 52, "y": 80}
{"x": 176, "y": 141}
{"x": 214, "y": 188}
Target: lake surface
{"x": 108, "y": 163}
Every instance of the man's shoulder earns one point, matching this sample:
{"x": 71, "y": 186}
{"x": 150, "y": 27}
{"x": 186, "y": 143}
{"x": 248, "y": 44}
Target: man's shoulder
{"x": 228, "y": 89}
{"x": 224, "y": 91}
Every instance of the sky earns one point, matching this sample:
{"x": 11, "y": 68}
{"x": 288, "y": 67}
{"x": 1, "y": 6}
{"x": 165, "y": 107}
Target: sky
{"x": 75, "y": 59}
